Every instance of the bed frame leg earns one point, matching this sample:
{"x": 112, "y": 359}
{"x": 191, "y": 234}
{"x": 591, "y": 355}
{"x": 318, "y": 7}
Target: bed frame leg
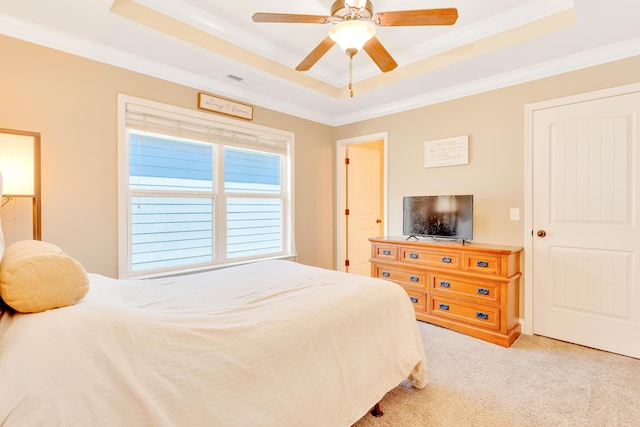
{"x": 376, "y": 411}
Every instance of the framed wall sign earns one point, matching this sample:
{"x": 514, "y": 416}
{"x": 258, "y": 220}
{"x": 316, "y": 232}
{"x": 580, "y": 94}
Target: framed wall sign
{"x": 446, "y": 152}
{"x": 224, "y": 106}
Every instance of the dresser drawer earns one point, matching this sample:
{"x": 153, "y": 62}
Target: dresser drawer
{"x": 470, "y": 290}
{"x": 440, "y": 259}
{"x": 485, "y": 264}
{"x": 385, "y": 252}
{"x": 418, "y": 299}
{"x": 411, "y": 279}
{"x": 487, "y": 317}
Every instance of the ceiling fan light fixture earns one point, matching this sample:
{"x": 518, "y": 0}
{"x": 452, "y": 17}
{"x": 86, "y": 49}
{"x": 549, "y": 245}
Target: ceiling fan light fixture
{"x": 356, "y": 4}
{"x": 352, "y": 34}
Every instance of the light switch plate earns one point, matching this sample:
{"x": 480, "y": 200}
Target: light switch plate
{"x": 514, "y": 214}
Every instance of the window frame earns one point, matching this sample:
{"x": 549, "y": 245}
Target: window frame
{"x": 192, "y": 119}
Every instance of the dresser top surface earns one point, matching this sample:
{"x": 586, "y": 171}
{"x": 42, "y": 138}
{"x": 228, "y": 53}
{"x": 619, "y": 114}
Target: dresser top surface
{"x": 429, "y": 243}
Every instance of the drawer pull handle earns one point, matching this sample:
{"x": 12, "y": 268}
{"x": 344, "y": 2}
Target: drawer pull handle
{"x": 483, "y": 291}
{"x": 386, "y": 274}
{"x": 444, "y": 284}
{"x": 482, "y": 264}
{"x": 414, "y": 300}
{"x": 414, "y": 278}
{"x": 413, "y": 255}
{"x": 386, "y": 252}
{"x": 443, "y": 306}
{"x": 481, "y": 315}
{"x": 446, "y": 259}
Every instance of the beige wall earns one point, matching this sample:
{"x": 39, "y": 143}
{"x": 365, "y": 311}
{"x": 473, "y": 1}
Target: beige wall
{"x": 494, "y": 122}
{"x": 71, "y": 102}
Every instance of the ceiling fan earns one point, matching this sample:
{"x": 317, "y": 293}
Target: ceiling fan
{"x": 353, "y": 28}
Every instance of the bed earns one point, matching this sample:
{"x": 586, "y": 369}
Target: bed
{"x": 272, "y": 343}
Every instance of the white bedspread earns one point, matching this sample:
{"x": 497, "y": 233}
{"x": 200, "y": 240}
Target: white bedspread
{"x": 274, "y": 343}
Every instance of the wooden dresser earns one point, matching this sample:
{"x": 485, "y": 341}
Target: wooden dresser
{"x": 470, "y": 288}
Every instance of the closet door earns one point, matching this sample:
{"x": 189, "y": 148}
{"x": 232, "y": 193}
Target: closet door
{"x": 364, "y": 198}
{"x": 586, "y": 223}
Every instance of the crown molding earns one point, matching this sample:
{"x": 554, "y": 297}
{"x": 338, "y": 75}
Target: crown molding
{"x": 57, "y": 40}
{"x": 602, "y": 55}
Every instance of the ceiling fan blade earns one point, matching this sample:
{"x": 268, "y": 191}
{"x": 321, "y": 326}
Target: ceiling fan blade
{"x": 316, "y": 54}
{"x": 447, "y": 16}
{"x": 380, "y": 55}
{"x": 290, "y": 18}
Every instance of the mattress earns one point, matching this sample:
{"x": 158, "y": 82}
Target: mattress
{"x": 273, "y": 343}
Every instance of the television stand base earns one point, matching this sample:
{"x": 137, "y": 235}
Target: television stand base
{"x": 450, "y": 239}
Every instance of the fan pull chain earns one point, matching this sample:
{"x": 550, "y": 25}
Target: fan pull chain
{"x": 351, "y": 52}
{"x": 350, "y": 76}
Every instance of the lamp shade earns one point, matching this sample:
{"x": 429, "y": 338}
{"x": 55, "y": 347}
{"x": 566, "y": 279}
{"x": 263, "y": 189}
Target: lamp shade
{"x": 17, "y": 163}
{"x": 352, "y": 34}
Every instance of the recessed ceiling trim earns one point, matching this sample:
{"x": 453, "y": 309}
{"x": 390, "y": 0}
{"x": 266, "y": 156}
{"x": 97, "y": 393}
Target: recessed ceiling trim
{"x": 156, "y": 20}
{"x": 196, "y": 17}
{"x": 605, "y": 54}
{"x": 474, "y": 49}
{"x": 457, "y": 37}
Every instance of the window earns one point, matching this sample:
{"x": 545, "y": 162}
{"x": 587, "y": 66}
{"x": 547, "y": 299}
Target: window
{"x": 198, "y": 191}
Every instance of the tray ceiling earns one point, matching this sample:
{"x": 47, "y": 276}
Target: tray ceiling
{"x": 214, "y": 46}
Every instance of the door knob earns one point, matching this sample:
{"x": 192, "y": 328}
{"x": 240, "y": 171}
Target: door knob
{"x": 541, "y": 233}
{"x": 378, "y": 221}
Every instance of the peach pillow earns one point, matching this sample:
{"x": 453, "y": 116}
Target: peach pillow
{"x": 1, "y": 236}
{"x": 37, "y": 276}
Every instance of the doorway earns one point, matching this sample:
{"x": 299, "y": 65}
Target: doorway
{"x": 361, "y": 199}
{"x": 582, "y": 256}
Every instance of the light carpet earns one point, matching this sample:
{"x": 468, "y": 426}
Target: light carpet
{"x": 538, "y": 381}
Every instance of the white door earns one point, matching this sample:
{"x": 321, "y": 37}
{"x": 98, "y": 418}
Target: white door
{"x": 586, "y": 223}
{"x": 364, "y": 193}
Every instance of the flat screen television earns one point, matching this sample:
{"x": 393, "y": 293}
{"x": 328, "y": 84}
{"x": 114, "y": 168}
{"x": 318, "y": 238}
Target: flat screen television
{"x": 449, "y": 217}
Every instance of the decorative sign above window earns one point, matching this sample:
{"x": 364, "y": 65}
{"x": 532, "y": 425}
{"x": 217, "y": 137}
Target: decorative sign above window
{"x": 224, "y": 106}
{"x": 446, "y": 152}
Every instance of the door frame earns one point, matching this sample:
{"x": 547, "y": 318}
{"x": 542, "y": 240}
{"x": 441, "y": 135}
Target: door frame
{"x": 339, "y": 191}
{"x": 530, "y": 109}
